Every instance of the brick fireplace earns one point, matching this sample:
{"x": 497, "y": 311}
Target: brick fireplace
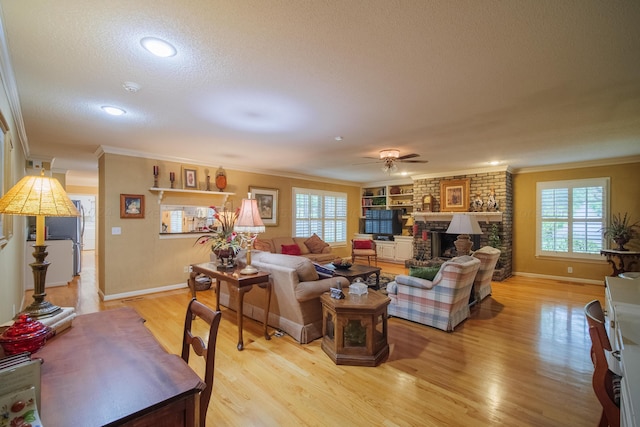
{"x": 481, "y": 184}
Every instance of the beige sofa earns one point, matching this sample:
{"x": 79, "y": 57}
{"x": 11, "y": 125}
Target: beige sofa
{"x": 295, "y": 299}
{"x": 312, "y": 247}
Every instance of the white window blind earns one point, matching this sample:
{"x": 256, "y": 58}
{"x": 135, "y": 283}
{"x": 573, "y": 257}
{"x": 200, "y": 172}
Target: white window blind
{"x": 320, "y": 212}
{"x": 570, "y": 217}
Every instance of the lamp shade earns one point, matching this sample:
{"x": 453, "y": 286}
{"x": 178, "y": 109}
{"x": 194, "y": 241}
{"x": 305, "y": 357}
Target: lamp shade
{"x": 249, "y": 220}
{"x": 410, "y": 221}
{"x": 464, "y": 224}
{"x": 37, "y": 195}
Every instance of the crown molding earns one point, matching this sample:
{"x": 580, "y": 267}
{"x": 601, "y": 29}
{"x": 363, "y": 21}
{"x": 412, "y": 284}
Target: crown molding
{"x": 104, "y": 149}
{"x": 11, "y": 89}
{"x": 578, "y": 165}
{"x": 500, "y": 168}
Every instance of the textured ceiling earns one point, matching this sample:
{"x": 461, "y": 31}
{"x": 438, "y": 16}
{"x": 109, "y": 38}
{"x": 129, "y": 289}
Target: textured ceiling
{"x": 268, "y": 85}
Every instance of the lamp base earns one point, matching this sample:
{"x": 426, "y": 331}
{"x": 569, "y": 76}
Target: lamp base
{"x": 249, "y": 269}
{"x": 39, "y": 307}
{"x": 463, "y": 244}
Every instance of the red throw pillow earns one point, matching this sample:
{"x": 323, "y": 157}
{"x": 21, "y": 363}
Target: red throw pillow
{"x": 362, "y": 244}
{"x": 291, "y": 250}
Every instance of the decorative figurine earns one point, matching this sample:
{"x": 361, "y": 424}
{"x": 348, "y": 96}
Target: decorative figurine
{"x": 492, "y": 203}
{"x": 477, "y": 203}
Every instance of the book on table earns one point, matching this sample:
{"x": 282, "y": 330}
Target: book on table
{"x": 18, "y": 373}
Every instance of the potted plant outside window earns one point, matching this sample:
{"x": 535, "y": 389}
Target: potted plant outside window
{"x": 621, "y": 231}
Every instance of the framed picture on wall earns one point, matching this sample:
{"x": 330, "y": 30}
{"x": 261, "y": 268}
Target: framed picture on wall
{"x": 131, "y": 206}
{"x": 189, "y": 178}
{"x": 454, "y": 195}
{"x": 267, "y": 204}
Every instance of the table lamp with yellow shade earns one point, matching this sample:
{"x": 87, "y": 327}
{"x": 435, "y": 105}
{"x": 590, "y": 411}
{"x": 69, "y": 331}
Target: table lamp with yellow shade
{"x": 39, "y": 196}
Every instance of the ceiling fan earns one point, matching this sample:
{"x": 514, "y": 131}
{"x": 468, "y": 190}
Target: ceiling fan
{"x": 390, "y": 156}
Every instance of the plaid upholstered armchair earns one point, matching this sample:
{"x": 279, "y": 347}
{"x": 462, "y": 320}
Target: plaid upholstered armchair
{"x": 488, "y": 257}
{"x": 442, "y": 303}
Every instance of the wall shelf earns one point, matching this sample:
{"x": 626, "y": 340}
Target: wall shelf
{"x": 161, "y": 192}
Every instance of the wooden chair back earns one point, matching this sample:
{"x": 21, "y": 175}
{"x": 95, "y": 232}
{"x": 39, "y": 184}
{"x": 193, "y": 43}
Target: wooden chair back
{"x": 208, "y": 351}
{"x": 604, "y": 379}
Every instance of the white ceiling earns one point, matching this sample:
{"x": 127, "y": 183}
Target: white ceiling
{"x": 267, "y": 85}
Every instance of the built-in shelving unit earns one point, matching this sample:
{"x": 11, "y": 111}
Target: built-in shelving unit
{"x": 161, "y": 192}
{"x": 387, "y": 197}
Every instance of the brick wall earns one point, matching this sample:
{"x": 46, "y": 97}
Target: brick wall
{"x": 480, "y": 184}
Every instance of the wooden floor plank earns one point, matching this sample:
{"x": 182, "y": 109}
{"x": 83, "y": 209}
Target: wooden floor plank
{"x": 521, "y": 359}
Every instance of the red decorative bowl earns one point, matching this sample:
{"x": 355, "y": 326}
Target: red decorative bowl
{"x": 26, "y": 334}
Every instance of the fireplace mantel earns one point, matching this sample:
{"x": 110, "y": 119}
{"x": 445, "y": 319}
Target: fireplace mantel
{"x": 446, "y": 216}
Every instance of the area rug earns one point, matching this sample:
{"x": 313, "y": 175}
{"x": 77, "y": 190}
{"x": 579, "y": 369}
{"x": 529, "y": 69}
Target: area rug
{"x": 385, "y": 278}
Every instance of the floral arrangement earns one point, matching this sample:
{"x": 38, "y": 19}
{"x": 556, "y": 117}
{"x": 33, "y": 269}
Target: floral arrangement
{"x": 223, "y": 238}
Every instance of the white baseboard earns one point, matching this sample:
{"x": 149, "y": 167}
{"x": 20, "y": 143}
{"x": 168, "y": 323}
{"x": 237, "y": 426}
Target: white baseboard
{"x": 560, "y": 278}
{"x": 104, "y": 297}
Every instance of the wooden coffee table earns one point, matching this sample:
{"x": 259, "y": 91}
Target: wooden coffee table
{"x": 357, "y": 270}
{"x": 354, "y": 329}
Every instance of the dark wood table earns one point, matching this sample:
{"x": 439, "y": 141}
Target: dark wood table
{"x": 358, "y": 270}
{"x": 241, "y": 283}
{"x": 108, "y": 369}
{"x": 612, "y": 255}
{"x": 354, "y": 329}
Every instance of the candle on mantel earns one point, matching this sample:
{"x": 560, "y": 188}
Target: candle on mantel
{"x": 415, "y": 229}
{"x": 172, "y": 176}
{"x": 156, "y": 170}
{"x": 424, "y": 235}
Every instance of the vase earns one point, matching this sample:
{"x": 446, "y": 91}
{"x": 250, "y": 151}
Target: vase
{"x": 621, "y": 241}
{"x": 225, "y": 256}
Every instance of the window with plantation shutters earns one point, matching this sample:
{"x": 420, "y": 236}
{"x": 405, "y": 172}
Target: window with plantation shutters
{"x": 570, "y": 217}
{"x": 321, "y": 212}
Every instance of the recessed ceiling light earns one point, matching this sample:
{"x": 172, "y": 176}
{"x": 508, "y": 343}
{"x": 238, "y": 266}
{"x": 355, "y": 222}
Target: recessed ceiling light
{"x": 158, "y": 47}
{"x": 114, "y": 111}
{"x": 494, "y": 163}
{"x": 338, "y": 138}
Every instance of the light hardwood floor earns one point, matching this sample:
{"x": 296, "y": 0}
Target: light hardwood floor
{"x": 521, "y": 359}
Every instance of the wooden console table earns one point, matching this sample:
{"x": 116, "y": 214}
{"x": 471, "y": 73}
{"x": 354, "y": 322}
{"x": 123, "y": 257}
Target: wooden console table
{"x": 240, "y": 283}
{"x": 621, "y": 256}
{"x": 108, "y": 369}
{"x": 354, "y": 329}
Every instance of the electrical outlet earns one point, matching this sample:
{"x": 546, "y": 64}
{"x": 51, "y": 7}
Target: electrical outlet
{"x": 569, "y": 270}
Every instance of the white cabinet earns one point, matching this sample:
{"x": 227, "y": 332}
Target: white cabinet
{"x": 623, "y": 321}
{"x": 404, "y": 248}
{"x": 60, "y": 257}
{"x": 386, "y": 250}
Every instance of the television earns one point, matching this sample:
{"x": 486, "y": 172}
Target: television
{"x": 383, "y": 221}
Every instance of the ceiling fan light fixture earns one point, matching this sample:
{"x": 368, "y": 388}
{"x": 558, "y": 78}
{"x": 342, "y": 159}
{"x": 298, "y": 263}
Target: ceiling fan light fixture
{"x": 389, "y": 166}
{"x": 389, "y": 154}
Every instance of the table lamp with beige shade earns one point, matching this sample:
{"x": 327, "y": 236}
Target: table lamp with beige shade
{"x": 249, "y": 225}
{"x": 463, "y": 225}
{"x": 40, "y": 196}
